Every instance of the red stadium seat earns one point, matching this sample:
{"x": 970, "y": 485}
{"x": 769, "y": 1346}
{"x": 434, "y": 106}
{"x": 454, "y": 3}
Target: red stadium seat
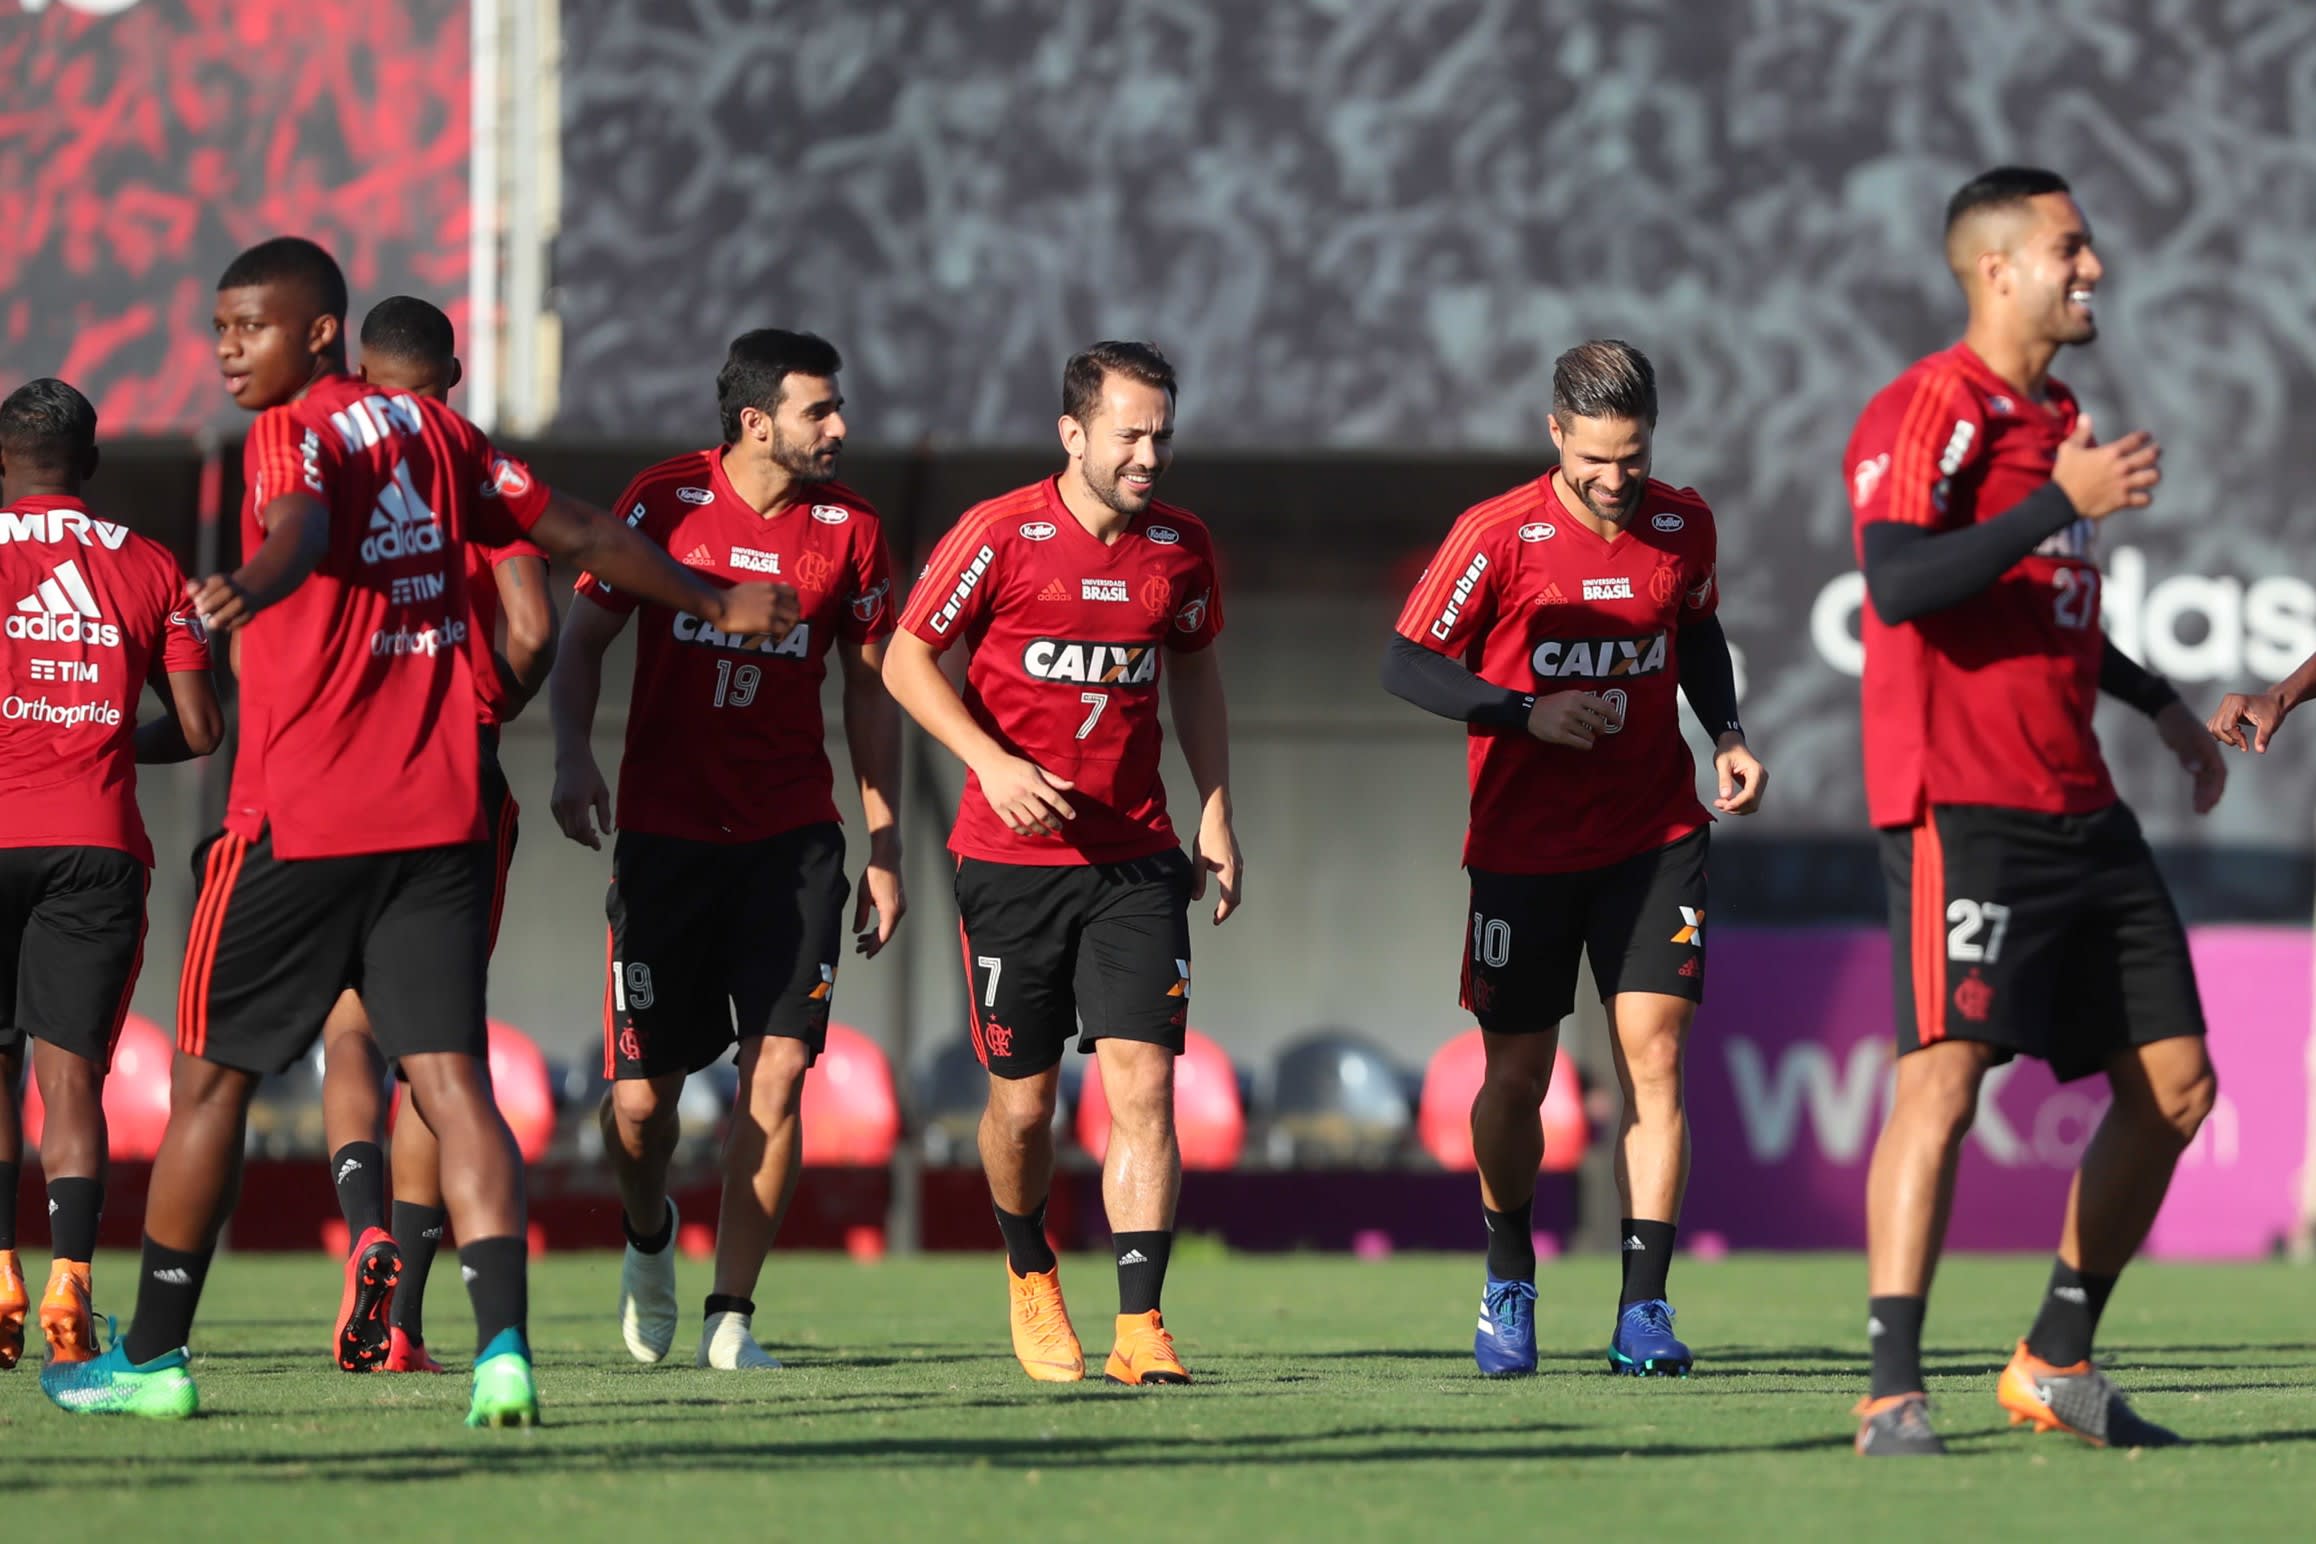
{"x": 852, "y": 1114}
{"x": 1443, "y": 1119}
{"x": 525, "y": 1095}
{"x": 136, "y": 1092}
{"x": 1208, "y": 1117}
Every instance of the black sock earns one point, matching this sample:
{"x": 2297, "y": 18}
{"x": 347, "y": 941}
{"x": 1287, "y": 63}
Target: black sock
{"x": 1026, "y": 1249}
{"x": 73, "y": 1208}
{"x": 360, "y": 1171}
{"x": 10, "y": 1173}
{"x": 2070, "y": 1315}
{"x": 1142, "y": 1268}
{"x": 725, "y": 1302}
{"x": 498, "y": 1279}
{"x": 1648, "y": 1259}
{"x": 643, "y": 1243}
{"x": 1512, "y": 1242}
{"x": 168, "y": 1293}
{"x": 1894, "y": 1329}
{"x": 418, "y": 1233}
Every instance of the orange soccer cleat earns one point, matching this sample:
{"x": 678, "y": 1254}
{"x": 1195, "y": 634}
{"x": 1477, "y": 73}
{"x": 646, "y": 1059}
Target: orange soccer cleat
{"x": 1043, "y": 1340}
{"x": 15, "y": 1302}
{"x": 371, "y": 1271}
{"x": 404, "y": 1353}
{"x": 67, "y": 1322}
{"x": 2079, "y": 1400}
{"x": 1144, "y": 1353}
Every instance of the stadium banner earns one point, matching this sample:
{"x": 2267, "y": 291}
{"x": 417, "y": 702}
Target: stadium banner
{"x": 153, "y": 139}
{"x": 1790, "y": 1079}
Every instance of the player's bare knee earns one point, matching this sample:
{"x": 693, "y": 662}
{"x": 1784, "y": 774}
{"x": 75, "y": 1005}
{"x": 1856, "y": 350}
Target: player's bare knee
{"x": 2185, "y": 1104}
{"x": 1021, "y": 1110}
{"x": 197, "y": 1086}
{"x": 641, "y": 1104}
{"x": 774, "y": 1078}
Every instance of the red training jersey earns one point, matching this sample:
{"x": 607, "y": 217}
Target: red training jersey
{"x": 1990, "y": 700}
{"x": 89, "y": 603}
{"x": 725, "y": 741}
{"x": 1529, "y": 597}
{"x": 348, "y": 684}
{"x": 482, "y": 593}
{"x": 1067, "y": 637}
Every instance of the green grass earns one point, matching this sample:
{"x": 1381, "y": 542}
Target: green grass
{"x": 1335, "y": 1400}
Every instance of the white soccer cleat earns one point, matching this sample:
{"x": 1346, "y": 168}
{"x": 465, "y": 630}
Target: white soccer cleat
{"x": 647, "y": 1297}
{"x": 728, "y": 1345}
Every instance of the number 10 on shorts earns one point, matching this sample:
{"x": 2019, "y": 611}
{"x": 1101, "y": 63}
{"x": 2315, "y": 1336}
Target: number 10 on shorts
{"x": 1491, "y": 941}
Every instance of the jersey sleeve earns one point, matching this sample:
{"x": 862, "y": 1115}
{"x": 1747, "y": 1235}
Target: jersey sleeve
{"x": 1455, "y": 600}
{"x": 184, "y": 641}
{"x": 284, "y": 455}
{"x": 1702, "y": 596}
{"x": 956, "y": 589}
{"x": 869, "y": 608}
{"x": 635, "y": 509}
{"x": 1198, "y": 620}
{"x": 1908, "y": 447}
{"x": 513, "y": 500}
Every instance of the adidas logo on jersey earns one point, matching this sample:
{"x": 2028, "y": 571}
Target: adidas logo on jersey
{"x": 401, "y": 524}
{"x": 63, "y": 610}
{"x": 1054, "y": 590}
{"x": 700, "y": 557}
{"x": 1091, "y": 664}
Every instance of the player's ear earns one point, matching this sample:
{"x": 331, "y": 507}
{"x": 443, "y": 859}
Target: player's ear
{"x": 324, "y": 335}
{"x": 88, "y": 463}
{"x": 1552, "y": 422}
{"x": 457, "y": 374}
{"x": 1073, "y": 436}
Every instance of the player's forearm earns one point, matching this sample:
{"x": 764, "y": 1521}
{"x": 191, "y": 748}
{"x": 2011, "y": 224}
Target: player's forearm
{"x": 872, "y": 735}
{"x": 530, "y": 618}
{"x": 1709, "y": 677}
{"x": 1912, "y": 572}
{"x": 573, "y": 689}
{"x": 162, "y": 743}
{"x": 1202, "y": 726}
{"x": 2300, "y": 685}
{"x": 297, "y": 538}
{"x": 913, "y": 676}
{"x": 625, "y": 561}
{"x": 2126, "y": 680}
{"x": 1440, "y": 685}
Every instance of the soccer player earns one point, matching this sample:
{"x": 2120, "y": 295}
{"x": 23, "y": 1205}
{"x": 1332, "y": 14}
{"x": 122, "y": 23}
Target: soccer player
{"x": 1074, "y": 595}
{"x": 727, "y": 891}
{"x": 353, "y": 849}
{"x": 1557, "y": 620}
{"x": 408, "y": 345}
{"x": 95, "y": 612}
{"x": 2026, "y": 913}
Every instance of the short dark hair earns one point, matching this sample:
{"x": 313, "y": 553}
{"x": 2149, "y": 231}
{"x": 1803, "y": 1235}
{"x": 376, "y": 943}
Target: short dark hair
{"x": 291, "y": 260}
{"x": 1082, "y": 377}
{"x": 405, "y": 327}
{"x": 1605, "y": 378}
{"x": 2000, "y": 186}
{"x": 46, "y": 424}
{"x": 758, "y": 366}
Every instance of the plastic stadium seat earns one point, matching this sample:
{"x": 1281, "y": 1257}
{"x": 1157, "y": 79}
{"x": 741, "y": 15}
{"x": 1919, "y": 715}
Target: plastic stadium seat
{"x": 852, "y": 1115}
{"x": 1209, "y": 1118}
{"x": 1337, "y": 1098}
{"x": 1444, "y": 1116}
{"x": 526, "y": 1097}
{"x": 136, "y": 1092}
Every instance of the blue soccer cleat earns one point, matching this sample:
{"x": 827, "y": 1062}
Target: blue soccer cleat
{"x": 1505, "y": 1346}
{"x": 110, "y": 1384}
{"x": 1645, "y": 1346}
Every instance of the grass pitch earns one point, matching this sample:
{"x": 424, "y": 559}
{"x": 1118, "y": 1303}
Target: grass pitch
{"x": 1336, "y": 1399}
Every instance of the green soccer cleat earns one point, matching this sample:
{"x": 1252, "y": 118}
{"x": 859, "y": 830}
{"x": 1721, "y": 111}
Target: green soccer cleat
{"x": 504, "y": 1394}
{"x": 110, "y": 1384}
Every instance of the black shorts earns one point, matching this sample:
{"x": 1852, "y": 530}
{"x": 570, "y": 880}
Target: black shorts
{"x": 712, "y": 943}
{"x": 275, "y": 940}
{"x": 72, "y": 939}
{"x": 502, "y": 815}
{"x": 2046, "y": 935}
{"x": 1641, "y": 922}
{"x": 1046, "y": 948}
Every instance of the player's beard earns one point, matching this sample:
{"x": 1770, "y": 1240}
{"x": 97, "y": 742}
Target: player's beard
{"x": 804, "y": 463}
{"x": 1109, "y": 487}
{"x": 1614, "y": 511}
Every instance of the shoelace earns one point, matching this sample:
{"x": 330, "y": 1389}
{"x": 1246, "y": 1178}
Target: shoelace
{"x": 1502, "y": 1297}
{"x": 1048, "y": 1326}
{"x": 1164, "y": 1339}
{"x": 1653, "y": 1316}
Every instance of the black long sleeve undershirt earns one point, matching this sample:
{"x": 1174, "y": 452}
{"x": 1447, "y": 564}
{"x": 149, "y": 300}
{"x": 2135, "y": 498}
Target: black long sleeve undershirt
{"x": 1912, "y": 572}
{"x": 1438, "y": 684}
{"x": 2126, "y": 680}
